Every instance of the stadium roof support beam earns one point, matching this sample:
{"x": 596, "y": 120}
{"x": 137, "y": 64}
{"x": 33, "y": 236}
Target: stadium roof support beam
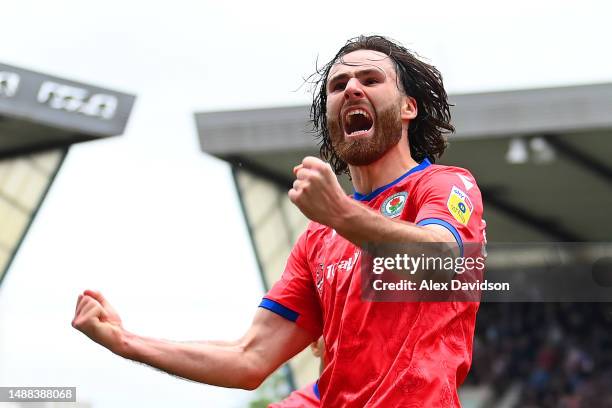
{"x": 579, "y": 157}
{"x": 546, "y": 226}
{"x": 32, "y": 216}
{"x": 41, "y": 147}
{"x": 240, "y": 161}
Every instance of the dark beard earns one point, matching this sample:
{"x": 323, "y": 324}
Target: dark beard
{"x": 364, "y": 151}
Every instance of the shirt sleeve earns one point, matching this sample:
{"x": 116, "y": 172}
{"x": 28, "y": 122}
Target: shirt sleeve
{"x": 306, "y": 397}
{"x": 294, "y": 296}
{"x": 451, "y": 198}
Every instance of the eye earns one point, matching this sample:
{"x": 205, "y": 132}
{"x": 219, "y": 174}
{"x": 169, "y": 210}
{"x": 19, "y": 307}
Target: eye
{"x": 371, "y": 81}
{"x": 338, "y": 86}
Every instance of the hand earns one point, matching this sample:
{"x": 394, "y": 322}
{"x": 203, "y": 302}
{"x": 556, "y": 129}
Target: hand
{"x": 97, "y": 319}
{"x": 317, "y": 193}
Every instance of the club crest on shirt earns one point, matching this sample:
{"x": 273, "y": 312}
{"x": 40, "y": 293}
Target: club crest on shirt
{"x": 459, "y": 205}
{"x": 393, "y": 205}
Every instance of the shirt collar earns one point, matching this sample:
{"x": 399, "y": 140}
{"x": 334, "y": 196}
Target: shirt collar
{"x": 367, "y": 197}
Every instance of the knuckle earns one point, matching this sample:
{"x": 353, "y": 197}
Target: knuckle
{"x": 309, "y": 160}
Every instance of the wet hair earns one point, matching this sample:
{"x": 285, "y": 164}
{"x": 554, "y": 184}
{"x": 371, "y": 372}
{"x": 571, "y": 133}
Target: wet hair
{"x": 427, "y": 131}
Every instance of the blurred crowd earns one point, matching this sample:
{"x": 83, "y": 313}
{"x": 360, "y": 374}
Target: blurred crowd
{"x": 560, "y": 353}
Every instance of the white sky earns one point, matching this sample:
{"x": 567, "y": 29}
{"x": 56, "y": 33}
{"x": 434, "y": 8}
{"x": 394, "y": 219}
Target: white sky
{"x": 155, "y": 224}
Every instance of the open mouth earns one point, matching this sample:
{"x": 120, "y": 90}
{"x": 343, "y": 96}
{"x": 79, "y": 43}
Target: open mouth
{"x": 357, "y": 122}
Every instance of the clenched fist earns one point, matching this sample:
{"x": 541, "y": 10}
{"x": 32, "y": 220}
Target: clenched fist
{"x": 317, "y": 193}
{"x": 97, "y": 319}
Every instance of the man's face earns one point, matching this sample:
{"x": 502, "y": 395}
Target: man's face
{"x": 363, "y": 107}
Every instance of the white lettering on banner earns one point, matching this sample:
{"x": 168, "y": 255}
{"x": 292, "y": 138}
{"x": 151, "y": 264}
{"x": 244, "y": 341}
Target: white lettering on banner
{"x": 9, "y": 83}
{"x": 74, "y": 99}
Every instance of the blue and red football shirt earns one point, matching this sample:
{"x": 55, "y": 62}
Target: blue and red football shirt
{"x": 385, "y": 354}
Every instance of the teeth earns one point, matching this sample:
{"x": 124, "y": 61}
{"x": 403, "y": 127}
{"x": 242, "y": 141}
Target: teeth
{"x": 358, "y": 112}
{"x": 348, "y": 120}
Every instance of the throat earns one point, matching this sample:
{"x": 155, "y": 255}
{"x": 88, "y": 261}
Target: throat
{"x": 367, "y": 179}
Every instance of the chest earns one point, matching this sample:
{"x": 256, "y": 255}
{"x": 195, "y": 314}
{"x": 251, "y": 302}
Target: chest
{"x": 336, "y": 262}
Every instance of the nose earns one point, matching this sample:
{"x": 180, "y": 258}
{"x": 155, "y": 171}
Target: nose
{"x": 353, "y": 89}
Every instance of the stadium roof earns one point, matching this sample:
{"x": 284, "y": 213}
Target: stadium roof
{"x": 541, "y": 156}
{"x": 40, "y": 112}
{"x": 40, "y": 117}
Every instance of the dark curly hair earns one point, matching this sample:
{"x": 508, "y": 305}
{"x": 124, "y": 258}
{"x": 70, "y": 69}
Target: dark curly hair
{"x": 418, "y": 79}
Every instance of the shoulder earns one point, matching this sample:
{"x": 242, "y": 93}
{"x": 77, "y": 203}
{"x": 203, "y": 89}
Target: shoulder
{"x": 451, "y": 195}
{"x": 446, "y": 184}
{"x": 313, "y": 237}
{"x": 440, "y": 179}
{"x": 444, "y": 174}
{"x": 314, "y": 229}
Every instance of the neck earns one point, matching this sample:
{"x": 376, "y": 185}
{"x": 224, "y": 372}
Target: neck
{"x": 395, "y": 162}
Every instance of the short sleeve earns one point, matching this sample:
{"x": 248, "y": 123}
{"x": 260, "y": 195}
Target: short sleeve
{"x": 451, "y": 198}
{"x": 294, "y": 296}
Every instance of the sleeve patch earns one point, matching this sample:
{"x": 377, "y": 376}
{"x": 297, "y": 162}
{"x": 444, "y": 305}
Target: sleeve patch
{"x": 459, "y": 205}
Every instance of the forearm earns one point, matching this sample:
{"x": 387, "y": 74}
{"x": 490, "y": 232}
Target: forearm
{"x": 388, "y": 238}
{"x": 270, "y": 341}
{"x": 224, "y": 364}
{"x": 317, "y": 193}
{"x": 361, "y": 225}
{"x": 216, "y": 342}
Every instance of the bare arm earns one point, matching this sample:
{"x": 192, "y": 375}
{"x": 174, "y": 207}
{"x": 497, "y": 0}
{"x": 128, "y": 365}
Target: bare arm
{"x": 360, "y": 224}
{"x": 317, "y": 193}
{"x": 270, "y": 341}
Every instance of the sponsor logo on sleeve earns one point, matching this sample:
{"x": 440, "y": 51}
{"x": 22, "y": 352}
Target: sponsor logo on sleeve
{"x": 459, "y": 205}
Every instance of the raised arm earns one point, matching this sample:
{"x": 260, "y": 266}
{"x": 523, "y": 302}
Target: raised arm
{"x": 245, "y": 363}
{"x": 317, "y": 193}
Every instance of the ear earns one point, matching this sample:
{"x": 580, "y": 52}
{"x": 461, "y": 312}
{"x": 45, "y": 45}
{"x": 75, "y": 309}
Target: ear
{"x": 409, "y": 109}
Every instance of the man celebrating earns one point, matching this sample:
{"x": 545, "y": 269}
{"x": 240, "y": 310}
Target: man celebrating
{"x": 382, "y": 115}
